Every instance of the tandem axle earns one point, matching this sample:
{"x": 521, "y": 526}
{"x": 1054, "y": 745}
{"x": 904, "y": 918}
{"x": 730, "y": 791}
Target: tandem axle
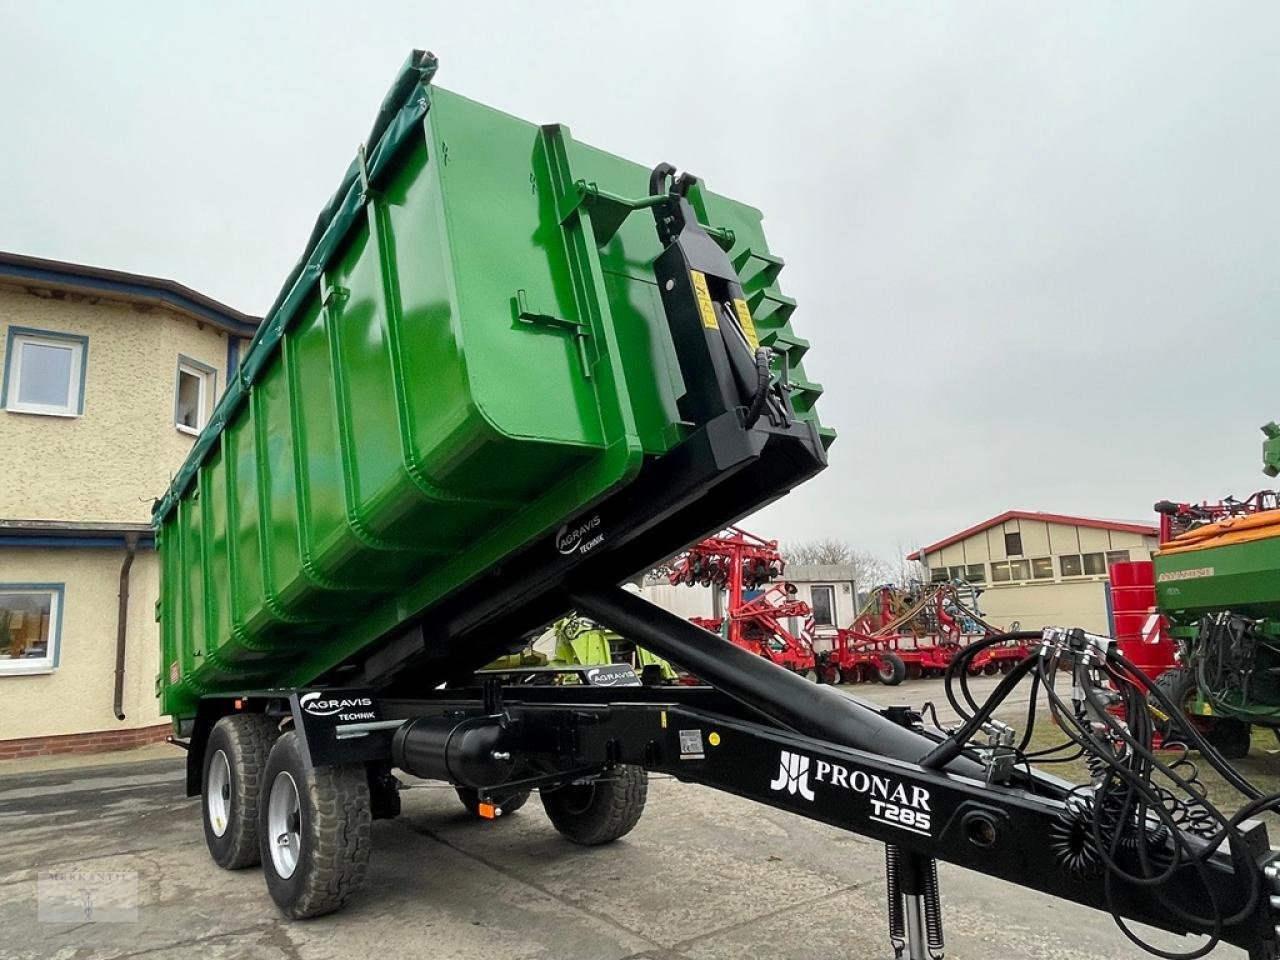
{"x": 588, "y": 750}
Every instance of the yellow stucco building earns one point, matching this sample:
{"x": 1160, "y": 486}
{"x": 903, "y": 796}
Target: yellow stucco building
{"x": 1039, "y": 569}
{"x": 107, "y": 379}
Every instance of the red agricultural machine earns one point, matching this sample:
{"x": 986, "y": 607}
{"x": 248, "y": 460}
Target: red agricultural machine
{"x": 913, "y": 632}
{"x": 757, "y": 602}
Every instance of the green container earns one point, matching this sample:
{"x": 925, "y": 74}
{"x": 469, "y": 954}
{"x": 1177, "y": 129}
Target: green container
{"x": 472, "y": 349}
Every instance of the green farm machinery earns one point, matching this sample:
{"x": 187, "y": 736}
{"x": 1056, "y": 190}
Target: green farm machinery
{"x": 1217, "y": 587}
{"x": 511, "y": 372}
{"x": 1217, "y": 583}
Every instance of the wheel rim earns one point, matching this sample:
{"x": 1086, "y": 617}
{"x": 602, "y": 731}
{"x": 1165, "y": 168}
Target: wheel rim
{"x": 284, "y": 825}
{"x": 217, "y": 793}
{"x": 886, "y": 671}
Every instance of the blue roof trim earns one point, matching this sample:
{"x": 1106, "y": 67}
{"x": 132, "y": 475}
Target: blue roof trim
{"x": 134, "y": 288}
{"x": 116, "y": 543}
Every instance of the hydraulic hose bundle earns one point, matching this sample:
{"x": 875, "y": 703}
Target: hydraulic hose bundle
{"x": 1145, "y": 818}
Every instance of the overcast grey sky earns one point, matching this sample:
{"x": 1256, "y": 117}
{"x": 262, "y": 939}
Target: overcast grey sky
{"x": 1034, "y": 245}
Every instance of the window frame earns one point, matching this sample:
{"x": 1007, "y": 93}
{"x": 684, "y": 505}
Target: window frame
{"x": 207, "y": 377}
{"x": 831, "y": 603}
{"x": 16, "y": 338}
{"x": 1109, "y": 562}
{"x": 10, "y": 667}
{"x": 1008, "y": 566}
{"x": 1016, "y": 541}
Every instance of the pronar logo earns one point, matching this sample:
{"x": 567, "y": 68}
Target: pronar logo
{"x": 318, "y": 705}
{"x": 579, "y": 538}
{"x": 793, "y": 775}
{"x": 893, "y": 802}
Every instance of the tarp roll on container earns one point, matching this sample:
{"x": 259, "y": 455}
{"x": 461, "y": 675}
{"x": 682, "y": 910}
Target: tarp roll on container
{"x": 461, "y": 360}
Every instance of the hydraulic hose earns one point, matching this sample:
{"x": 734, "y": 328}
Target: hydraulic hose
{"x": 949, "y": 749}
{"x": 763, "y": 380}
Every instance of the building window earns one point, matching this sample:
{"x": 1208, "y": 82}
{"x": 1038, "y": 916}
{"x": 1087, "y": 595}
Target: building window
{"x": 1011, "y": 570}
{"x": 1087, "y": 564}
{"x": 30, "y": 626}
{"x": 823, "y": 601}
{"x": 192, "y": 394}
{"x": 1013, "y": 544}
{"x": 1117, "y": 556}
{"x": 44, "y": 372}
{"x": 938, "y": 575}
{"x": 1042, "y": 568}
{"x": 976, "y": 573}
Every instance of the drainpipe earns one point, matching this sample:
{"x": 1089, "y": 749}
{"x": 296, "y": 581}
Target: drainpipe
{"x": 122, "y": 620}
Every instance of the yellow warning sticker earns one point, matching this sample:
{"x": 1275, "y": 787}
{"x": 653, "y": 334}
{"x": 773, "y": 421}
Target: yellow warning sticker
{"x": 705, "y": 307}
{"x": 748, "y": 325}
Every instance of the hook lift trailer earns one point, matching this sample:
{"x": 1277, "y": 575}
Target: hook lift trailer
{"x": 294, "y": 761}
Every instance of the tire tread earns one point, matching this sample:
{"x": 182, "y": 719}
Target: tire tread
{"x": 250, "y": 737}
{"x": 616, "y": 808}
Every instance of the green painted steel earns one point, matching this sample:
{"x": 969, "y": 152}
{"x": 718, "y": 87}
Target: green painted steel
{"x": 1236, "y": 578}
{"x": 472, "y": 349}
{"x": 1241, "y": 577}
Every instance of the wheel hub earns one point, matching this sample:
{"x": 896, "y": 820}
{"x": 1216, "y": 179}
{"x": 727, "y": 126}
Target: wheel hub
{"x": 284, "y": 823}
{"x": 218, "y": 793}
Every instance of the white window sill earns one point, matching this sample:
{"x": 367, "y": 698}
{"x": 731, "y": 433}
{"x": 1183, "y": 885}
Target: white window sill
{"x": 189, "y": 431}
{"x": 25, "y": 670}
{"x": 43, "y": 412}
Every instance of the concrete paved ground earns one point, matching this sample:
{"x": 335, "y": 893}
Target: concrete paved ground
{"x": 915, "y": 693}
{"x": 703, "y": 877}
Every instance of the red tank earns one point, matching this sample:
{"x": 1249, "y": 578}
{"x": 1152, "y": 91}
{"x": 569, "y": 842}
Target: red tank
{"x": 1135, "y": 622}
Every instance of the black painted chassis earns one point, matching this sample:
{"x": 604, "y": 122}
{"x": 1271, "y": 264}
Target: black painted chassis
{"x": 563, "y": 733}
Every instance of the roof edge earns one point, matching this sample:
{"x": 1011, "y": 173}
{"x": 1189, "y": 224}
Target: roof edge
{"x": 72, "y": 528}
{"x": 1143, "y": 529}
{"x": 134, "y": 287}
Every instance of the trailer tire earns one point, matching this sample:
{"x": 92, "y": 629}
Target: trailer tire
{"x": 1229, "y": 736}
{"x": 507, "y": 801}
{"x": 234, "y": 759}
{"x": 600, "y": 811}
{"x": 316, "y": 831}
{"x": 890, "y": 670}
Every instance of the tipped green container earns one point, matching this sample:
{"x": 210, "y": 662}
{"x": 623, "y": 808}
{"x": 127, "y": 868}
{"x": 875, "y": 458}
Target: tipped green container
{"x": 464, "y": 357}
